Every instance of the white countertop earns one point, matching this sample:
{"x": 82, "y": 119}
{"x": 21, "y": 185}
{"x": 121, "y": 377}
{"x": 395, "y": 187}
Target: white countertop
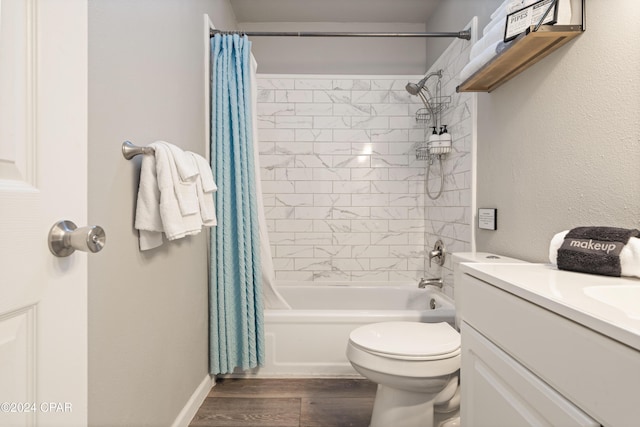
{"x": 563, "y": 293}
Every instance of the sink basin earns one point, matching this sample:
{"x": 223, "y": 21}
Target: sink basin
{"x": 623, "y": 297}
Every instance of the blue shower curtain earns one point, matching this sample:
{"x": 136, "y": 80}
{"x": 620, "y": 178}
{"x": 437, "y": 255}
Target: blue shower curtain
{"x": 235, "y": 294}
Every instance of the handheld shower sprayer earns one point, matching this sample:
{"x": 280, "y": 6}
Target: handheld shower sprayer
{"x": 418, "y": 89}
{"x": 415, "y": 88}
{"x": 437, "y": 145}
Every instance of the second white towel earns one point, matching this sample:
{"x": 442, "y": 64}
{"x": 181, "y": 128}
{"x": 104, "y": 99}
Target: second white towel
{"x": 205, "y": 186}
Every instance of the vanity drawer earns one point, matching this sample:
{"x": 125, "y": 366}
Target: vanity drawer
{"x": 499, "y": 392}
{"x": 599, "y": 375}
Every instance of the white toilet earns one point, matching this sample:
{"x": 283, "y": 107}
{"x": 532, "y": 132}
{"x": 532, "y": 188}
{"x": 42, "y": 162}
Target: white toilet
{"x": 412, "y": 363}
{"x": 415, "y": 365}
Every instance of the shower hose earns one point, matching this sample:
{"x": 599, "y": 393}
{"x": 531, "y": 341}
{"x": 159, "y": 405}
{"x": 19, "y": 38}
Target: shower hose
{"x": 426, "y": 181}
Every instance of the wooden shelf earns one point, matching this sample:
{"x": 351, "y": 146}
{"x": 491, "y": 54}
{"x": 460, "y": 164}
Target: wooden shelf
{"x": 527, "y": 49}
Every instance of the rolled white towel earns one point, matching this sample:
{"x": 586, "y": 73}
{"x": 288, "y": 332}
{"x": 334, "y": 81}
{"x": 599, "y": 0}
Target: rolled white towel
{"x": 564, "y": 12}
{"x": 499, "y": 17}
{"x": 629, "y": 255}
{"x": 500, "y": 8}
{"x": 495, "y": 35}
{"x": 487, "y": 55}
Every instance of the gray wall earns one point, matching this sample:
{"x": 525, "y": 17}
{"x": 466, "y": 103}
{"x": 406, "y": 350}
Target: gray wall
{"x": 559, "y": 145}
{"x": 147, "y": 311}
{"x": 379, "y": 56}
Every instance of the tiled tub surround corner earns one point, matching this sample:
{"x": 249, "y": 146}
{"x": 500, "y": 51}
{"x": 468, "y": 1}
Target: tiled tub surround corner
{"x": 450, "y": 216}
{"x": 343, "y": 192}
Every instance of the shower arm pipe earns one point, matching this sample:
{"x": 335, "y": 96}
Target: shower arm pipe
{"x": 464, "y": 34}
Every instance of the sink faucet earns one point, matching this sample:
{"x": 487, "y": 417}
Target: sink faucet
{"x": 432, "y": 282}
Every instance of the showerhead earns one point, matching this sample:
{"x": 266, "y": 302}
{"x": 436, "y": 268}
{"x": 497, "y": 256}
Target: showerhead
{"x": 415, "y": 88}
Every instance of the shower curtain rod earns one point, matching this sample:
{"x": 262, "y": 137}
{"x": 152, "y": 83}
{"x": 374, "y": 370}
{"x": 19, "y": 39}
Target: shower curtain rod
{"x": 464, "y": 34}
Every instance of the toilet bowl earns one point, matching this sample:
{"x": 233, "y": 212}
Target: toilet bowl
{"x": 447, "y": 413}
{"x": 415, "y": 365}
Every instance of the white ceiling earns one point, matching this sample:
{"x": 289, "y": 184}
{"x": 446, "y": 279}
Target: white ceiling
{"x": 400, "y": 11}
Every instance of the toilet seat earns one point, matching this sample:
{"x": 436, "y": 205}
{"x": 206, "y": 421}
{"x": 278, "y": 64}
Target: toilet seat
{"x": 407, "y": 340}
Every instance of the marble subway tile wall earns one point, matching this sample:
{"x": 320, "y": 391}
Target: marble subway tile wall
{"x": 343, "y": 191}
{"x": 450, "y": 216}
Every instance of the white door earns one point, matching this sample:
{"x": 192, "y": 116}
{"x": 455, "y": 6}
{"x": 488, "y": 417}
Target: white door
{"x": 43, "y": 179}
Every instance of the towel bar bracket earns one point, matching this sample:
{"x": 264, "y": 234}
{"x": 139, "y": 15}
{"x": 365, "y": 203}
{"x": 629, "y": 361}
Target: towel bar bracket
{"x": 129, "y": 150}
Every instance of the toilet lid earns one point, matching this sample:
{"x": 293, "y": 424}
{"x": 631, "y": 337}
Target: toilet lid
{"x": 412, "y": 339}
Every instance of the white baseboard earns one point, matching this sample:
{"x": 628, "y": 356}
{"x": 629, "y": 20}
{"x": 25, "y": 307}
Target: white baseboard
{"x": 193, "y": 404}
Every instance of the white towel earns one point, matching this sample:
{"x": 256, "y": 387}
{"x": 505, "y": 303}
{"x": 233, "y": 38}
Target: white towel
{"x": 564, "y": 12}
{"x": 499, "y": 17}
{"x": 184, "y": 179}
{"x": 205, "y": 186}
{"x": 500, "y": 8}
{"x": 175, "y": 193}
{"x": 478, "y": 62}
{"x": 494, "y": 35}
{"x": 148, "y": 221}
{"x": 163, "y": 196}
{"x": 629, "y": 256}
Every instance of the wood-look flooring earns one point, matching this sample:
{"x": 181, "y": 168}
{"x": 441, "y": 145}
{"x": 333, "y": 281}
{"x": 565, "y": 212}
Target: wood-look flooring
{"x": 287, "y": 403}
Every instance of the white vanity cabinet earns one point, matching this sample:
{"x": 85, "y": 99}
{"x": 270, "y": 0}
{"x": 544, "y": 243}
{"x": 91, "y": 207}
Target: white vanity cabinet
{"x": 523, "y": 364}
{"x": 497, "y": 391}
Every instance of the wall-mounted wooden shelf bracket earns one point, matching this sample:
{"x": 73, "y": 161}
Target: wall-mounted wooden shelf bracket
{"x": 527, "y": 49}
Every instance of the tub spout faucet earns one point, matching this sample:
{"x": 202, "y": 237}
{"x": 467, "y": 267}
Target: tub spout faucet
{"x": 432, "y": 282}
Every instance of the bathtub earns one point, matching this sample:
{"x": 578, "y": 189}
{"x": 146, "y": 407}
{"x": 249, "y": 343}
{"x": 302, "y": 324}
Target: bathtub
{"x": 310, "y": 339}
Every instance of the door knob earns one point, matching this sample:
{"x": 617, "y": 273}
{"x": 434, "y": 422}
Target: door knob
{"x": 65, "y": 238}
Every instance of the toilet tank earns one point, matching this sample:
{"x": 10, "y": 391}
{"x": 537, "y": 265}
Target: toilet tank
{"x": 484, "y": 257}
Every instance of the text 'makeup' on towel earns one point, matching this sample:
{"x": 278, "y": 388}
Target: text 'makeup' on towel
{"x": 607, "y": 251}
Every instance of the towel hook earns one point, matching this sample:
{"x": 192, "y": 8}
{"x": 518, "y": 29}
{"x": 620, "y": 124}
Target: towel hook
{"x": 129, "y": 150}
